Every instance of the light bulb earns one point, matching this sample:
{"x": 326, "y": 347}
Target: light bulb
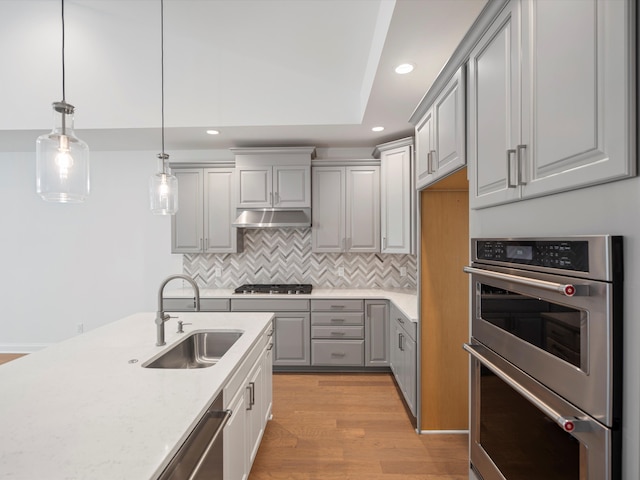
{"x": 63, "y": 159}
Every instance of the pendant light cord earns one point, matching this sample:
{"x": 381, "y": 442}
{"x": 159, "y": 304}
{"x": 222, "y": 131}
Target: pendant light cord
{"x": 162, "y": 76}
{"x": 63, "y": 86}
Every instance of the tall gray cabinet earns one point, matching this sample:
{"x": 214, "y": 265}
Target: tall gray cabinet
{"x": 206, "y": 211}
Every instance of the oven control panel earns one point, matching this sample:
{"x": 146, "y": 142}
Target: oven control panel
{"x": 557, "y": 254}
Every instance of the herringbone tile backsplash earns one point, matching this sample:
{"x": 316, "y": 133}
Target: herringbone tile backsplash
{"x": 285, "y": 256}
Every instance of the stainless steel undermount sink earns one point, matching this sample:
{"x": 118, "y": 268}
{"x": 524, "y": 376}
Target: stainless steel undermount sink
{"x": 199, "y": 349}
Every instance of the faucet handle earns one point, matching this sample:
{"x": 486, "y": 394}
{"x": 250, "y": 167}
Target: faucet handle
{"x": 180, "y": 324}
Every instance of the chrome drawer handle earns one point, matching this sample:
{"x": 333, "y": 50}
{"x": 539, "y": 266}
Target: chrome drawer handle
{"x": 337, "y": 333}
{"x": 338, "y": 354}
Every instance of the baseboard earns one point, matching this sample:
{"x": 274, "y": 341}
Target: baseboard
{"x": 22, "y": 347}
{"x": 443, "y": 432}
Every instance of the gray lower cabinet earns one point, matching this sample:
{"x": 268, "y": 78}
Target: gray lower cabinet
{"x": 291, "y": 339}
{"x": 337, "y": 333}
{"x": 376, "y": 329}
{"x": 187, "y": 304}
{"x": 292, "y": 327}
{"x": 404, "y": 356}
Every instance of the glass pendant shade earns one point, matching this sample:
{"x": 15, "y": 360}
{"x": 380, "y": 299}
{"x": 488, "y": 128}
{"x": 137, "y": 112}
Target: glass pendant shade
{"x": 62, "y": 160}
{"x": 163, "y": 191}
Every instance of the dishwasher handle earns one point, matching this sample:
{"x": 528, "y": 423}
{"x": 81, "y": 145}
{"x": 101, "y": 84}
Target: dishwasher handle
{"x": 226, "y": 414}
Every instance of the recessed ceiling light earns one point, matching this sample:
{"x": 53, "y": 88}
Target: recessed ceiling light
{"x": 404, "y": 68}
{"x": 377, "y": 129}
{"x": 213, "y": 132}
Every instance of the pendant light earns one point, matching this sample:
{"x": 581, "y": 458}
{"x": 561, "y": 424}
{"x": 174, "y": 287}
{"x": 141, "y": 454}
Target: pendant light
{"x": 163, "y": 186}
{"x": 62, "y": 159}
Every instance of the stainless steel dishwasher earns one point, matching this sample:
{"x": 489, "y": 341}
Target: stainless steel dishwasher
{"x": 200, "y": 457}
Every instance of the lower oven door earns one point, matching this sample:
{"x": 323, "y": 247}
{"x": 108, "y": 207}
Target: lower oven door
{"x": 520, "y": 430}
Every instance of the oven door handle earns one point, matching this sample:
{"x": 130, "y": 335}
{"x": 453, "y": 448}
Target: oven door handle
{"x": 568, "y": 290}
{"x": 568, "y": 423}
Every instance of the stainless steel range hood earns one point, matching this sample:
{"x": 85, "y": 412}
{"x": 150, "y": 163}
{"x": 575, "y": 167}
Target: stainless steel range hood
{"x": 273, "y": 218}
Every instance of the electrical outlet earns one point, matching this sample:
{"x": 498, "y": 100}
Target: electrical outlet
{"x": 403, "y": 271}
{"x": 217, "y": 272}
{"x": 341, "y": 271}
{"x": 79, "y": 328}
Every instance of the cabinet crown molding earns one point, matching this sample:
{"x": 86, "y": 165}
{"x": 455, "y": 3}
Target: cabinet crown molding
{"x": 311, "y": 151}
{"x": 383, "y": 147}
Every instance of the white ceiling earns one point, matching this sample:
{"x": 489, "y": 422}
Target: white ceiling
{"x": 262, "y": 72}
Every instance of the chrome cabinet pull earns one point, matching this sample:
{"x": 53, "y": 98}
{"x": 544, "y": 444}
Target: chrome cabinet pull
{"x": 276, "y": 198}
{"x": 338, "y": 354}
{"x": 338, "y": 333}
{"x": 400, "y": 336}
{"x": 432, "y": 161}
{"x": 510, "y": 184}
{"x": 384, "y": 243}
{"x": 568, "y": 290}
{"x": 568, "y": 424}
{"x": 521, "y": 180}
{"x": 270, "y": 347}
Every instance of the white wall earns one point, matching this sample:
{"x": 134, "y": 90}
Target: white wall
{"x": 93, "y": 263}
{"x": 612, "y": 208}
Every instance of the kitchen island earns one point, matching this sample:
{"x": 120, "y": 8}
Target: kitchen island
{"x": 86, "y": 408}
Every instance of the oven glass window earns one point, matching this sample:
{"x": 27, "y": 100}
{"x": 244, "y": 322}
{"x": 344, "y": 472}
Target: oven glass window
{"x": 522, "y": 442}
{"x": 549, "y": 326}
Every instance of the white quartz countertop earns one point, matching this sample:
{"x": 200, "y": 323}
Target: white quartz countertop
{"x": 80, "y": 410}
{"x": 405, "y": 300}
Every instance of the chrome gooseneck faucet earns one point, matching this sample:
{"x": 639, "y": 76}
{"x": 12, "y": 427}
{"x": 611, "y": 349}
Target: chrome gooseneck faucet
{"x": 162, "y": 317}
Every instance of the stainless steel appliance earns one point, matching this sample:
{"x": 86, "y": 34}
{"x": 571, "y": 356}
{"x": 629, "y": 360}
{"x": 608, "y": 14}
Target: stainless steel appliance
{"x": 546, "y": 353}
{"x": 276, "y": 288}
{"x": 201, "y": 455}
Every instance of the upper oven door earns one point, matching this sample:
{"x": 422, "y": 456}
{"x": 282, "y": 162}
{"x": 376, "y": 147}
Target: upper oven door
{"x": 557, "y": 329}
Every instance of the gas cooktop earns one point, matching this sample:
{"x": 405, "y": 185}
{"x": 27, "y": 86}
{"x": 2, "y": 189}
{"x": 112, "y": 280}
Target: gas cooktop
{"x": 275, "y": 288}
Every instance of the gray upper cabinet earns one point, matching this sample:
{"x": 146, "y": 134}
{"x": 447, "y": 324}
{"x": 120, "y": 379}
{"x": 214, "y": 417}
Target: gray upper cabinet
{"x": 282, "y": 186}
{"x": 440, "y": 134}
{"x": 346, "y": 209}
{"x": 538, "y": 123}
{"x": 274, "y": 177}
{"x": 206, "y": 210}
{"x": 397, "y": 195}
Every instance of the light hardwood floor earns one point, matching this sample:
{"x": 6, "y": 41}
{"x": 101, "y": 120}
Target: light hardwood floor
{"x": 7, "y": 357}
{"x": 350, "y": 427}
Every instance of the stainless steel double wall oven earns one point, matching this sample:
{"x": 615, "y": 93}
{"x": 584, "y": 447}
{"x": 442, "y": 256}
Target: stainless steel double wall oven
{"x": 546, "y": 348}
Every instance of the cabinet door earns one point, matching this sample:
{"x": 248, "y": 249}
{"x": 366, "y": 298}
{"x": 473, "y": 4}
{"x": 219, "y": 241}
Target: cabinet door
{"x": 449, "y": 127}
{"x": 376, "y": 334}
{"x": 234, "y": 440}
{"x": 424, "y": 149}
{"x": 254, "y": 187}
{"x": 267, "y": 372}
{"x": 292, "y": 186}
{"x": 292, "y": 339}
{"x": 494, "y": 111}
{"x": 409, "y": 372}
{"x": 395, "y": 200}
{"x": 396, "y": 357}
{"x": 186, "y": 224}
{"x": 576, "y": 114}
{"x": 219, "y": 211}
{"x": 254, "y": 412}
{"x": 363, "y": 209}
{"x": 328, "y": 212}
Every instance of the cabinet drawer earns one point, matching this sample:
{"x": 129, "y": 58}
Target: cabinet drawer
{"x": 406, "y": 324}
{"x": 337, "y": 352}
{"x": 337, "y": 332}
{"x": 269, "y": 305}
{"x": 187, "y": 304}
{"x": 337, "y": 318}
{"x": 337, "y": 305}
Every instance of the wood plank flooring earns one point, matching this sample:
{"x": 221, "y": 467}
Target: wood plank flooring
{"x": 7, "y": 357}
{"x": 350, "y": 427}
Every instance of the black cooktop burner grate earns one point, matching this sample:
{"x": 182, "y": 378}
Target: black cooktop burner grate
{"x": 276, "y": 288}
